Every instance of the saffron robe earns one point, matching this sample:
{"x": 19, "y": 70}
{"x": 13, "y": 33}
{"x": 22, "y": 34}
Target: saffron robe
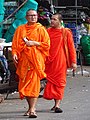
{"x": 31, "y": 59}
{"x": 56, "y": 65}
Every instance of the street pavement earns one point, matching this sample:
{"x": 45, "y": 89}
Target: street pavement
{"x": 75, "y": 105}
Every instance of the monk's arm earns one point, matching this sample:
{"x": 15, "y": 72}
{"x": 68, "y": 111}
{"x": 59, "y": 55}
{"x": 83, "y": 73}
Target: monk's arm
{"x": 43, "y": 43}
{"x": 72, "y": 50}
{"x": 17, "y": 42}
{"x": 32, "y": 43}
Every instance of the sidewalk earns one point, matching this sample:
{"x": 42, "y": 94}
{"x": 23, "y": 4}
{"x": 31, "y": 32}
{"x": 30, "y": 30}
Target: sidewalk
{"x": 76, "y": 102}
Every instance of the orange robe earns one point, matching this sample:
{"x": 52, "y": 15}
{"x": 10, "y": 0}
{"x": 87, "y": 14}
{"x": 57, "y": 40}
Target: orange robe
{"x": 56, "y": 66}
{"x": 31, "y": 60}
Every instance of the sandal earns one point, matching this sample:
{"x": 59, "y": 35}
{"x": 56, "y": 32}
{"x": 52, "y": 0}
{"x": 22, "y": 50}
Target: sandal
{"x": 32, "y": 115}
{"x": 53, "y": 108}
{"x": 58, "y": 110}
{"x": 26, "y": 113}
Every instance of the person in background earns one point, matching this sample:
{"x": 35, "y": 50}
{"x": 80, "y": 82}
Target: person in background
{"x": 56, "y": 62}
{"x": 4, "y": 71}
{"x": 30, "y": 46}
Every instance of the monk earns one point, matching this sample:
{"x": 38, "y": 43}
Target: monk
{"x": 56, "y": 63}
{"x": 30, "y": 46}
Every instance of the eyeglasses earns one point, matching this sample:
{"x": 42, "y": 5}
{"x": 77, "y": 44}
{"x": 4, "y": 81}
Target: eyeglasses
{"x": 33, "y": 15}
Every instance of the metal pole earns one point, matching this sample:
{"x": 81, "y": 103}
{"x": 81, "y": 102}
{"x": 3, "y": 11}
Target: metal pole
{"x": 76, "y": 20}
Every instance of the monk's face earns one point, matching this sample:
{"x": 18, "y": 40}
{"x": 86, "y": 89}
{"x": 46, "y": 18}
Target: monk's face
{"x": 31, "y": 16}
{"x": 55, "y": 22}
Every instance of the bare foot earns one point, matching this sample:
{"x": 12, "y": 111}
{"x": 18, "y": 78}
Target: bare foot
{"x": 1, "y": 99}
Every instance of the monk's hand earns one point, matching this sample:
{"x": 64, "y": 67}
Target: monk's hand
{"x": 32, "y": 43}
{"x": 15, "y": 58}
{"x": 74, "y": 66}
